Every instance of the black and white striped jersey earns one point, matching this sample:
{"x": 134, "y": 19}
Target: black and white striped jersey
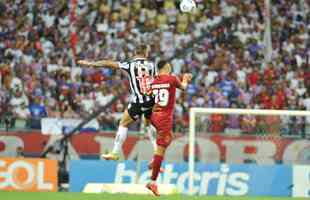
{"x": 140, "y": 74}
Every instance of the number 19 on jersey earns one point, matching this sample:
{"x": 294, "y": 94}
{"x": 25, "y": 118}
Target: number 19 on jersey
{"x": 161, "y": 96}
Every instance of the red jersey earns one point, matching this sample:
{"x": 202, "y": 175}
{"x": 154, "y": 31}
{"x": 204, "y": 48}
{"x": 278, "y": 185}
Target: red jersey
{"x": 164, "y": 89}
{"x": 253, "y": 78}
{"x": 217, "y": 123}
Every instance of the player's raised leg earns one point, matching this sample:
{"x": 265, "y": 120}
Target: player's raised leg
{"x": 120, "y": 137}
{"x": 133, "y": 112}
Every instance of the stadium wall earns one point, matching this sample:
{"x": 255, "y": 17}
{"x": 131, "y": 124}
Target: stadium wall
{"x": 210, "y": 149}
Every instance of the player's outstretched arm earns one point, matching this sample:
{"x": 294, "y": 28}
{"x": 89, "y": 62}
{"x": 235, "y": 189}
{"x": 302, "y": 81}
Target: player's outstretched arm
{"x": 186, "y": 79}
{"x": 101, "y": 63}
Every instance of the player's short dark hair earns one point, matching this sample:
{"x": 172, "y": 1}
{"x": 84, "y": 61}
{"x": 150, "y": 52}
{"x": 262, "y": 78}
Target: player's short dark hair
{"x": 141, "y": 49}
{"x": 161, "y": 64}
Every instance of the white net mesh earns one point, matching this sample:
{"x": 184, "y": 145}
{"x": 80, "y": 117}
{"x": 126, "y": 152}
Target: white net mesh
{"x": 250, "y": 124}
{"x": 248, "y": 136}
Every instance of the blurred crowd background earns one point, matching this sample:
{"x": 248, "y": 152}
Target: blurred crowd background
{"x": 221, "y": 43}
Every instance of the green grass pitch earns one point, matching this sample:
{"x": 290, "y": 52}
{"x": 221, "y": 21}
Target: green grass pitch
{"x": 105, "y": 196}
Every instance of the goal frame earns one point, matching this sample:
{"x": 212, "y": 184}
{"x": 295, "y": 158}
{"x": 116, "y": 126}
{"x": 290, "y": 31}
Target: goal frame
{"x": 196, "y": 110}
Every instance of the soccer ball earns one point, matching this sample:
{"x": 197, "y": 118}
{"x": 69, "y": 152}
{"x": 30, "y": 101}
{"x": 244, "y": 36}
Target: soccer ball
{"x": 187, "y": 5}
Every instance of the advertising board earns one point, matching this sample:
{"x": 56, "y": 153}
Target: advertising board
{"x": 301, "y": 181}
{"x": 211, "y": 179}
{"x": 28, "y": 174}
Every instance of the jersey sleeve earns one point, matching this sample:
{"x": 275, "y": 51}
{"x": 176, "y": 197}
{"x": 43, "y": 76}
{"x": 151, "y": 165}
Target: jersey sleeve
{"x": 124, "y": 66}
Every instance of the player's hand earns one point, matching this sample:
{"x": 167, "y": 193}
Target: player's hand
{"x": 187, "y": 77}
{"x": 156, "y": 108}
{"x": 85, "y": 62}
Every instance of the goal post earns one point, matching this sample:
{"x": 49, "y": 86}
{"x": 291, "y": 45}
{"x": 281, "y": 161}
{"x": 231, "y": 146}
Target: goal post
{"x": 227, "y": 111}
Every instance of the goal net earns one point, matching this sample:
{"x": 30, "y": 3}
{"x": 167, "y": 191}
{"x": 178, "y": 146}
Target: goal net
{"x": 268, "y": 125}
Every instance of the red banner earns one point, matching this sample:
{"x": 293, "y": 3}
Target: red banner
{"x": 215, "y": 148}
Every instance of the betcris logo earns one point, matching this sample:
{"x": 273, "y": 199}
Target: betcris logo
{"x": 301, "y": 181}
{"x": 213, "y": 179}
{"x": 218, "y": 180}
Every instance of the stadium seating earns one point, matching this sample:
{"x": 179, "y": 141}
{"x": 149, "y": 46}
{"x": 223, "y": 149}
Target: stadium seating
{"x": 39, "y": 44}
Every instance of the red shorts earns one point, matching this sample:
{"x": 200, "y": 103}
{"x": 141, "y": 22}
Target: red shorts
{"x": 163, "y": 125}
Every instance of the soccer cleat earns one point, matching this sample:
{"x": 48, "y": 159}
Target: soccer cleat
{"x": 153, "y": 188}
{"x": 150, "y": 167}
{"x": 110, "y": 156}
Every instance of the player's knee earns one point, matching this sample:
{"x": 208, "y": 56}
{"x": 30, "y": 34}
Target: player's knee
{"x": 165, "y": 142}
{"x": 123, "y": 123}
{"x": 160, "y": 150}
{"x": 126, "y": 120}
{"x": 168, "y": 142}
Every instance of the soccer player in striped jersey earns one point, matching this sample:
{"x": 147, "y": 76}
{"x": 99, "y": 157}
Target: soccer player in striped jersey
{"x": 140, "y": 72}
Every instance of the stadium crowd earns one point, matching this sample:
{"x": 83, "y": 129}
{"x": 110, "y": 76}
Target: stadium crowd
{"x": 221, "y": 43}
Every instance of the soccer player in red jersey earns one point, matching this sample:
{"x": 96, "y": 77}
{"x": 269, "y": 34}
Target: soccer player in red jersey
{"x": 164, "y": 88}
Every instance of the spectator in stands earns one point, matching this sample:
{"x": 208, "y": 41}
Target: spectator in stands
{"x": 39, "y": 43}
{"x": 8, "y": 117}
{"x": 248, "y": 123}
{"x": 233, "y": 122}
{"x": 38, "y": 111}
{"x": 216, "y": 123}
{"x": 53, "y": 110}
{"x": 19, "y": 103}
{"x": 67, "y": 111}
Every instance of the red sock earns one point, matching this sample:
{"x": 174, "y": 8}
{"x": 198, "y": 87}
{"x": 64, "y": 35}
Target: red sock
{"x": 157, "y": 160}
